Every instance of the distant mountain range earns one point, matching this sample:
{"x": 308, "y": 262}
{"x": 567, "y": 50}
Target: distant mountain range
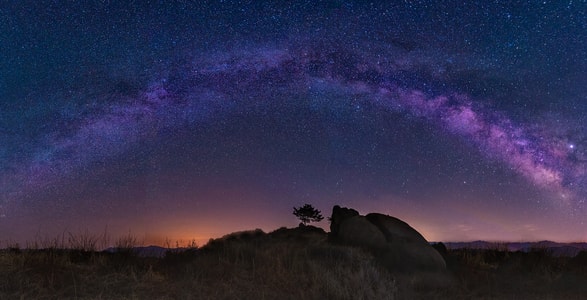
{"x": 556, "y": 249}
{"x": 149, "y": 251}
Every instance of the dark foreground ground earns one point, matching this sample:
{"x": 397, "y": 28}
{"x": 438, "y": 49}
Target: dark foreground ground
{"x": 285, "y": 264}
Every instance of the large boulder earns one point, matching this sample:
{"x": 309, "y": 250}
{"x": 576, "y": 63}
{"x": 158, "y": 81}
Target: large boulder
{"x": 339, "y": 214}
{"x": 357, "y": 230}
{"x": 395, "y": 243}
{"x": 395, "y": 229}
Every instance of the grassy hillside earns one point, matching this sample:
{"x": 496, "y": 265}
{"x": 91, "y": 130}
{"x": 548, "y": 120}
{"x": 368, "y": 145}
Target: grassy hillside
{"x": 286, "y": 264}
{"x": 295, "y": 263}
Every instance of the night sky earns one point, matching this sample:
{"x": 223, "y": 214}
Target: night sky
{"x": 190, "y": 120}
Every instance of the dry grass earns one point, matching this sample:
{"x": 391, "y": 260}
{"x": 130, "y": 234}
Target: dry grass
{"x": 249, "y": 265}
{"x": 499, "y": 274}
{"x": 285, "y": 264}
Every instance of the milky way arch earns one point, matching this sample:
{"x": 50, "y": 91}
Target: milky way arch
{"x": 209, "y": 86}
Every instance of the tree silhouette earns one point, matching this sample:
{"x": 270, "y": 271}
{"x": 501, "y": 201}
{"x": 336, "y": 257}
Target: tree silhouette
{"x": 307, "y": 214}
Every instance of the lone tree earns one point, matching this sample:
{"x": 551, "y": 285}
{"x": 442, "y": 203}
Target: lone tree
{"x": 307, "y": 214}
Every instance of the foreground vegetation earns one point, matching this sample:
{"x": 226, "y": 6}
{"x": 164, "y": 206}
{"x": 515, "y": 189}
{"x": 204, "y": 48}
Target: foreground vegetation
{"x": 295, "y": 263}
{"x": 286, "y": 264}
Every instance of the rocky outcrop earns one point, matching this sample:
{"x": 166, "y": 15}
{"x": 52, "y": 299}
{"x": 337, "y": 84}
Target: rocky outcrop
{"x": 357, "y": 230}
{"x": 341, "y": 213}
{"x": 395, "y": 243}
{"x": 395, "y": 230}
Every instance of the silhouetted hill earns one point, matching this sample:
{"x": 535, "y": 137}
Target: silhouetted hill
{"x": 144, "y": 251}
{"x": 292, "y": 263}
{"x": 554, "y": 248}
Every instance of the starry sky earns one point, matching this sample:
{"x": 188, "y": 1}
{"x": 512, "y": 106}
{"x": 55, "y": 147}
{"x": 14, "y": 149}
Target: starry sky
{"x": 186, "y": 120}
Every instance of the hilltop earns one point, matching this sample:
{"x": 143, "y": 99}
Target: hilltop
{"x": 288, "y": 263}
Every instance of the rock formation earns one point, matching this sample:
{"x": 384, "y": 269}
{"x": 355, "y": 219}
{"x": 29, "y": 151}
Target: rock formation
{"x": 395, "y": 243}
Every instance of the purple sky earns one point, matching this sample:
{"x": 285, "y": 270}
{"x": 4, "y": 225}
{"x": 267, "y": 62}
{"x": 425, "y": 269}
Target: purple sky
{"x": 190, "y": 121}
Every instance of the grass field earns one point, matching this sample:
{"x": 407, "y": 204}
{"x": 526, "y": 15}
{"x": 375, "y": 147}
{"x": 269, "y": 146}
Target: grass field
{"x": 295, "y": 263}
